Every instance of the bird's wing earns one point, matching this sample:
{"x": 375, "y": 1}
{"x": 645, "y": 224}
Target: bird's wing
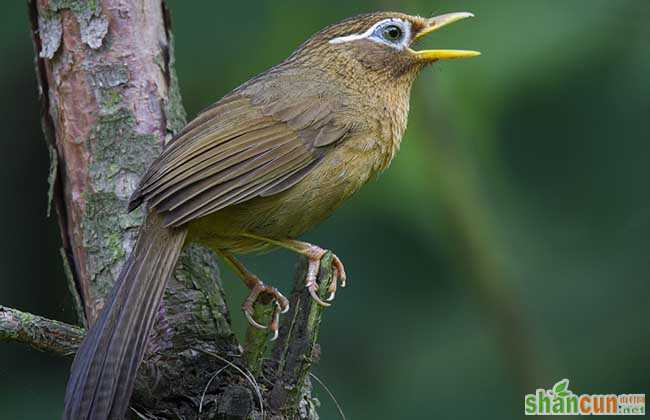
{"x": 246, "y": 145}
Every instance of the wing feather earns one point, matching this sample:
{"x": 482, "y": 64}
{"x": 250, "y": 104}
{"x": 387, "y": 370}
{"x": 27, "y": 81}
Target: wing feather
{"x": 244, "y": 191}
{"x": 247, "y": 145}
{"x": 212, "y": 199}
{"x": 266, "y": 137}
{"x": 204, "y": 181}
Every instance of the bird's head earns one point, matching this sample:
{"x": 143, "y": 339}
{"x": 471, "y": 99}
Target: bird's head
{"x": 382, "y": 42}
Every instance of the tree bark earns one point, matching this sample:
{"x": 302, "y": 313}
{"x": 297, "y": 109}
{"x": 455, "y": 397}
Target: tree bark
{"x": 110, "y": 100}
{"x": 40, "y": 333}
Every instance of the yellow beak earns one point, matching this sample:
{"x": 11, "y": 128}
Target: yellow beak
{"x": 435, "y": 23}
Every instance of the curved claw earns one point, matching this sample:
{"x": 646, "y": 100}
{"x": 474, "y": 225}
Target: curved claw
{"x": 315, "y": 254}
{"x": 275, "y": 324}
{"x": 312, "y": 287}
{"x": 252, "y": 321}
{"x": 340, "y": 270}
{"x": 281, "y": 301}
{"x": 275, "y": 335}
{"x": 332, "y": 287}
{"x": 281, "y": 306}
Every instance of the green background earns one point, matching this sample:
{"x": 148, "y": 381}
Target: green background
{"x": 506, "y": 248}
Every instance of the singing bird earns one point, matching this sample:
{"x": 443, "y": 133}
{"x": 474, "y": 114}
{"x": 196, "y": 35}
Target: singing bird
{"x": 257, "y": 169}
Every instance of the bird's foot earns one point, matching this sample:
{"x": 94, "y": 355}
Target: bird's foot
{"x": 315, "y": 254}
{"x": 281, "y": 305}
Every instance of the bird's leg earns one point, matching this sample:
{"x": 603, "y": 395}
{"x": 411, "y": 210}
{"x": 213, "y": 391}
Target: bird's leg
{"x": 257, "y": 288}
{"x": 314, "y": 254}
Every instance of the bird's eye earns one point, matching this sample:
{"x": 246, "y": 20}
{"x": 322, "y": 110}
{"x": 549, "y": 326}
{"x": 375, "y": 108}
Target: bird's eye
{"x": 392, "y": 33}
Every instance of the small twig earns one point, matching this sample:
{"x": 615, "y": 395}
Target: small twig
{"x": 40, "y": 333}
{"x": 139, "y": 414}
{"x": 249, "y": 377}
{"x": 205, "y": 390}
{"x": 338, "y": 406}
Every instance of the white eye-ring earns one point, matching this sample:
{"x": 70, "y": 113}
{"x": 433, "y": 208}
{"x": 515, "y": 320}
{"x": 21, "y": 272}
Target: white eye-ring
{"x": 395, "y": 33}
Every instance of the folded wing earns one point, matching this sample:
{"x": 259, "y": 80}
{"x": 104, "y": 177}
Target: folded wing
{"x": 249, "y": 144}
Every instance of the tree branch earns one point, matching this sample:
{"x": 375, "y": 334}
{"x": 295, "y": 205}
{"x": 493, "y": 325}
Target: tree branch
{"x": 297, "y": 348}
{"x": 283, "y": 383}
{"x": 39, "y": 333}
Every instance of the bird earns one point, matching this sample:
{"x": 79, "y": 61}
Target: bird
{"x": 253, "y": 172}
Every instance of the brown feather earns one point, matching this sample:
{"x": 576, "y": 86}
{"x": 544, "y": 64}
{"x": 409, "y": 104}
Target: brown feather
{"x": 230, "y": 155}
{"x": 225, "y": 191}
{"x": 222, "y": 174}
{"x": 250, "y": 189}
{"x": 235, "y": 151}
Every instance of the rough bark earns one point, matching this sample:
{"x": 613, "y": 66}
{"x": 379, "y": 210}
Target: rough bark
{"x": 40, "y": 333}
{"x": 110, "y": 100}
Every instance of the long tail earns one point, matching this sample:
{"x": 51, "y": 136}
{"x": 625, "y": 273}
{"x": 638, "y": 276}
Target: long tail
{"x": 104, "y": 368}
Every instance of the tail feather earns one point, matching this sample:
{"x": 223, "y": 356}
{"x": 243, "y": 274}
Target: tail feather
{"x": 103, "y": 372}
{"x": 122, "y": 395}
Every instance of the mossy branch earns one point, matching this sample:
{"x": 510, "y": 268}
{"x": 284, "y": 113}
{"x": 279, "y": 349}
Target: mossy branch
{"x": 257, "y": 341}
{"x": 40, "y": 333}
{"x": 297, "y": 346}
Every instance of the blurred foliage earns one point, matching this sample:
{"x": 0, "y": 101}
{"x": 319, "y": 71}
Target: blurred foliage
{"x": 506, "y": 247}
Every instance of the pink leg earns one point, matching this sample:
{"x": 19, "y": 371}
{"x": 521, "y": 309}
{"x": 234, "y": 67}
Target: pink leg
{"x": 314, "y": 254}
{"x": 257, "y": 288}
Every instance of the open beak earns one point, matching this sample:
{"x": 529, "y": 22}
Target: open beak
{"x": 436, "y": 23}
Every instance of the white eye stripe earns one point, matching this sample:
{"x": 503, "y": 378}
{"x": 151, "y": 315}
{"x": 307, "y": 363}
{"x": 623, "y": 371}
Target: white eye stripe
{"x": 404, "y": 25}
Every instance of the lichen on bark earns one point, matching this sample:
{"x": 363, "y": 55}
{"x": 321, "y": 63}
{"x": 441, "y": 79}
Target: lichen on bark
{"x": 51, "y": 31}
{"x": 196, "y": 272}
{"x": 173, "y": 108}
{"x": 93, "y": 25}
{"x": 119, "y": 157}
{"x": 38, "y": 332}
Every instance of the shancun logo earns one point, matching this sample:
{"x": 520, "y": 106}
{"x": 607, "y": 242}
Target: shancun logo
{"x": 561, "y": 401}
